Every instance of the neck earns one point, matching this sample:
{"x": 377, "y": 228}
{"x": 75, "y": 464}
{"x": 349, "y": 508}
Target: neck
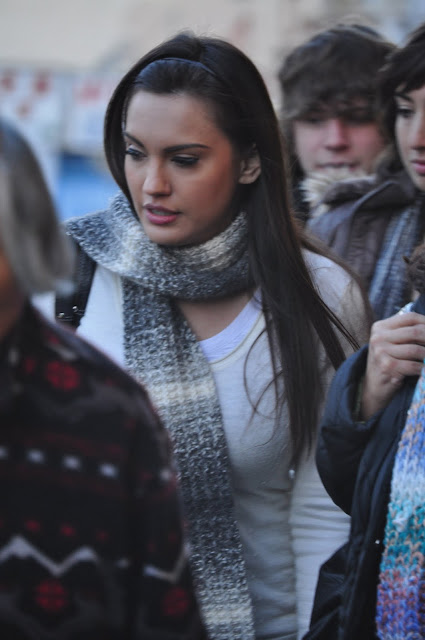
{"x": 209, "y": 317}
{"x": 216, "y": 268}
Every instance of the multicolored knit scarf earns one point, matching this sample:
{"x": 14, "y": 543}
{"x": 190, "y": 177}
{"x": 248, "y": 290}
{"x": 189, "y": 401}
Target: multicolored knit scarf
{"x": 162, "y": 352}
{"x": 400, "y": 612}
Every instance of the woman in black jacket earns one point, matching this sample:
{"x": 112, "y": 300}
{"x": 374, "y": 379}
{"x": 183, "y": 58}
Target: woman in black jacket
{"x": 355, "y": 459}
{"x": 367, "y": 590}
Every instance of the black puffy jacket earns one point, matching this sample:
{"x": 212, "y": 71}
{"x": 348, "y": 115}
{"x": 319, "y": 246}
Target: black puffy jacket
{"x": 355, "y": 461}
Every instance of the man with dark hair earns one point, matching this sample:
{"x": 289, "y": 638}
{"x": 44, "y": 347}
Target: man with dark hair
{"x": 328, "y": 112}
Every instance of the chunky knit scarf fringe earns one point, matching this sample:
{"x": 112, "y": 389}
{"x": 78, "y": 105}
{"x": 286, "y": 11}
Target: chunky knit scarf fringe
{"x": 162, "y": 352}
{"x": 400, "y": 610}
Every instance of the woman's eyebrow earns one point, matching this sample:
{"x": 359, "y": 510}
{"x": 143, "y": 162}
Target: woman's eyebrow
{"x": 184, "y": 147}
{"x": 132, "y": 138}
{"x": 171, "y": 149}
{"x": 403, "y": 96}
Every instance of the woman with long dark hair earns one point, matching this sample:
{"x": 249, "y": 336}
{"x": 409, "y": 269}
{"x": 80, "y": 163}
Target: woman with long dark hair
{"x": 206, "y": 293}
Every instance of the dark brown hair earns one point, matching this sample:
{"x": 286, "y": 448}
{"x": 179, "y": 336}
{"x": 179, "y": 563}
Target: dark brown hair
{"x": 405, "y": 70}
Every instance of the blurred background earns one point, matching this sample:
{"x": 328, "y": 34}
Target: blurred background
{"x": 61, "y": 59}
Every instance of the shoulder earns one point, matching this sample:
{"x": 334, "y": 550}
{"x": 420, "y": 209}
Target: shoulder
{"x": 92, "y": 364}
{"x": 329, "y": 277}
{"x": 378, "y": 192}
{"x": 83, "y": 224}
{"x": 93, "y": 390}
{"x": 341, "y": 293}
{"x": 92, "y": 398}
{"x": 324, "y": 191}
{"x": 93, "y": 226}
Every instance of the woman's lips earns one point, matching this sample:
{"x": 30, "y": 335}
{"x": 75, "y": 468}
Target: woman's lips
{"x": 419, "y": 167}
{"x": 160, "y": 215}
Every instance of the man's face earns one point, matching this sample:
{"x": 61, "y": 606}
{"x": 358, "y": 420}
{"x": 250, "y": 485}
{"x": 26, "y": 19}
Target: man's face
{"x": 345, "y": 138}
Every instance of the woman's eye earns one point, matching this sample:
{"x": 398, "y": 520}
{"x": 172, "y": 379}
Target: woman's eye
{"x": 134, "y": 153}
{"x": 403, "y": 111}
{"x": 185, "y": 161}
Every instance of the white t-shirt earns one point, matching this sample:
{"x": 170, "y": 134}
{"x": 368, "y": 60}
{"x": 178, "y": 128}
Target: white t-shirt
{"x": 259, "y": 458}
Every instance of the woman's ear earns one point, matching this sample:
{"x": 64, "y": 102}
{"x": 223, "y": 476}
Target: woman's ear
{"x": 250, "y": 167}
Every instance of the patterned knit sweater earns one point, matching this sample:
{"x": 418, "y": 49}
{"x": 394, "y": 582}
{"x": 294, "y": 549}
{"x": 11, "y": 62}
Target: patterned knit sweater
{"x": 90, "y": 532}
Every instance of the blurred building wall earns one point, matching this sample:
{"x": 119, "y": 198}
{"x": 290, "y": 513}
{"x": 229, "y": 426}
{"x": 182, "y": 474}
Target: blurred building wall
{"x": 60, "y": 59}
{"x": 77, "y": 35}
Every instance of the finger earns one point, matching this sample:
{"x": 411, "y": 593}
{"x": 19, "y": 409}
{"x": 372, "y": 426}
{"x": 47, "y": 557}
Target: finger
{"x": 394, "y": 372}
{"x": 406, "y": 369}
{"x": 411, "y": 319}
{"x": 402, "y": 352}
{"x": 402, "y": 320}
{"x": 414, "y": 334}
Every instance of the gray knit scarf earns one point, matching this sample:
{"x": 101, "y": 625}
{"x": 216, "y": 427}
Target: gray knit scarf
{"x": 162, "y": 352}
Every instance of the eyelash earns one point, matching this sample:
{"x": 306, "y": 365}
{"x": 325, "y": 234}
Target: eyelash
{"x": 134, "y": 153}
{"x": 185, "y": 161}
{"x": 181, "y": 161}
{"x": 403, "y": 112}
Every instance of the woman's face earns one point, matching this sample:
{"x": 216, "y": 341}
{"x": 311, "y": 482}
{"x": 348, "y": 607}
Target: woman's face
{"x": 410, "y": 133}
{"x": 181, "y": 170}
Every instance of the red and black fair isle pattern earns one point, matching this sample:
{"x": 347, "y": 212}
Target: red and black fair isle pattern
{"x": 90, "y": 532}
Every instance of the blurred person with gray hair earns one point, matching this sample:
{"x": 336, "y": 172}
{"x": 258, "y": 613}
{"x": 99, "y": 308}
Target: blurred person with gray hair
{"x": 91, "y": 541}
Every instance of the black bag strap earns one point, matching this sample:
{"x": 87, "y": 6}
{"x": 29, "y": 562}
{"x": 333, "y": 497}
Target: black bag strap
{"x": 69, "y": 309}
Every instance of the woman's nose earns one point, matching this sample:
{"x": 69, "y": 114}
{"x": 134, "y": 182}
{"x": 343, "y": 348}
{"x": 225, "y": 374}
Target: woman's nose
{"x": 156, "y": 180}
{"x": 417, "y": 133}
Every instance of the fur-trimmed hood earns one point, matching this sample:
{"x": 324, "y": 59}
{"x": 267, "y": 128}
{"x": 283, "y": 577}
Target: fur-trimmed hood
{"x": 324, "y": 191}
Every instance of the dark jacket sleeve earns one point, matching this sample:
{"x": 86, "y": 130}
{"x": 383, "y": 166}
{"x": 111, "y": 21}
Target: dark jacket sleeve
{"x": 342, "y": 440}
